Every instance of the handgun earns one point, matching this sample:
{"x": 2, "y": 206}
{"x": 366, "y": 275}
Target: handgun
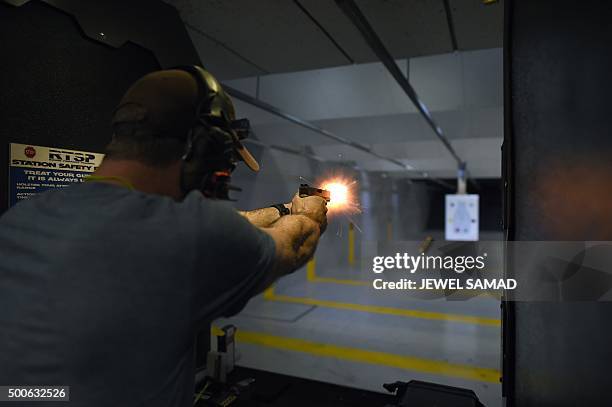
{"x": 306, "y": 190}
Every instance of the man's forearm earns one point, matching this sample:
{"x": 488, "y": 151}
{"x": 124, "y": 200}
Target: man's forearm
{"x": 263, "y": 217}
{"x": 296, "y": 239}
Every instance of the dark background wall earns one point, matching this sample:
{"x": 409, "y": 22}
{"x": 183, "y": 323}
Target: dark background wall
{"x": 559, "y": 150}
{"x": 65, "y": 65}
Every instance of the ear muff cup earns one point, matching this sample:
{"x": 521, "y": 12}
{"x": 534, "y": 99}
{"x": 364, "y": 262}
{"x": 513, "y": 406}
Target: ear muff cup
{"x": 211, "y": 147}
{"x": 210, "y": 150}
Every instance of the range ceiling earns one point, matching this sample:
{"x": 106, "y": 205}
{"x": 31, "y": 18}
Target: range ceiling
{"x": 241, "y": 38}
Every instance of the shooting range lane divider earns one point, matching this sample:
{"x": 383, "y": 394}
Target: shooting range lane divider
{"x": 270, "y": 295}
{"x": 431, "y": 366}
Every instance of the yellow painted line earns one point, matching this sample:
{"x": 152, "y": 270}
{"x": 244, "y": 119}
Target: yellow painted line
{"x": 269, "y": 292}
{"x": 201, "y": 393}
{"x": 317, "y": 279}
{"x": 312, "y": 277}
{"x": 351, "y": 244}
{"x": 425, "y": 244}
{"x": 330, "y": 280}
{"x": 374, "y": 309}
{"x": 370, "y": 357}
{"x": 310, "y": 269}
{"x": 215, "y": 330}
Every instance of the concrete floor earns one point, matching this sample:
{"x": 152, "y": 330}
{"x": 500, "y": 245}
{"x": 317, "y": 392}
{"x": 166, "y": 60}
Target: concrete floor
{"x": 328, "y": 324}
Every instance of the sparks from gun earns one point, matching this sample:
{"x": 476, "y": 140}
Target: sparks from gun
{"x": 344, "y": 200}
{"x": 343, "y": 195}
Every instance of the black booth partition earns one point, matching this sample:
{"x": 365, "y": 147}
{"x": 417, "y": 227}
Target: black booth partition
{"x": 66, "y": 63}
{"x": 558, "y": 167}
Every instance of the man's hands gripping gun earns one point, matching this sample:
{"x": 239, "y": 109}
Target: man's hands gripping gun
{"x": 311, "y": 202}
{"x": 306, "y": 190}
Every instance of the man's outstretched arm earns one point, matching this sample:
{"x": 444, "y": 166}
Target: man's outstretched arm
{"x": 296, "y": 236}
{"x": 264, "y": 217}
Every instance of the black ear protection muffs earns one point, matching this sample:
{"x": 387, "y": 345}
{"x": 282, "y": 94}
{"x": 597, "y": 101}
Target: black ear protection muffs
{"x": 212, "y": 141}
{"x": 165, "y": 104}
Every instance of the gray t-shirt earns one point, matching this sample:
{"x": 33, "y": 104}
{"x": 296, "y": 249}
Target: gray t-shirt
{"x": 104, "y": 289}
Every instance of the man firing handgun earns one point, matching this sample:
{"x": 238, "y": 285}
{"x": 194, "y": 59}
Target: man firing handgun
{"x": 104, "y": 285}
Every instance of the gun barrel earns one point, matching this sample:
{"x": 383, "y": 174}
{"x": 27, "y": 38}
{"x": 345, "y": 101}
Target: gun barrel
{"x": 307, "y": 190}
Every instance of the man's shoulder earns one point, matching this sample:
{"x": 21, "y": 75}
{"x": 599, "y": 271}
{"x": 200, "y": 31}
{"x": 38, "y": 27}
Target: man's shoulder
{"x": 218, "y": 218}
{"x": 196, "y": 201}
{"x": 86, "y": 198}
